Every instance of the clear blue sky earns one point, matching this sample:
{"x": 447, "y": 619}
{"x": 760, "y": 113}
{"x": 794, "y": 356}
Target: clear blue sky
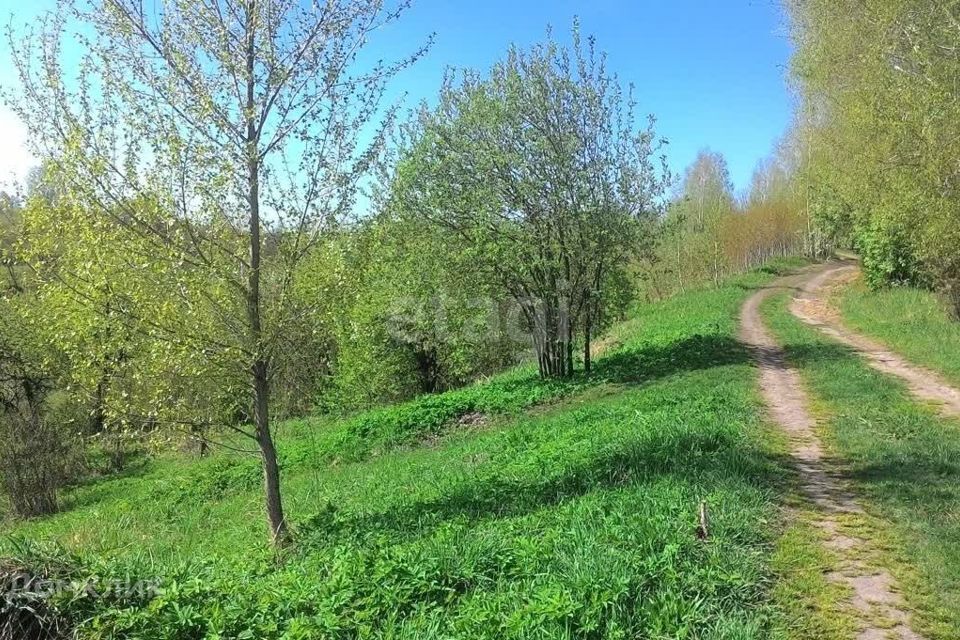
{"x": 713, "y": 72}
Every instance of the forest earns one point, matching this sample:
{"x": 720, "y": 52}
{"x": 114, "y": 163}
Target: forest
{"x": 323, "y": 366}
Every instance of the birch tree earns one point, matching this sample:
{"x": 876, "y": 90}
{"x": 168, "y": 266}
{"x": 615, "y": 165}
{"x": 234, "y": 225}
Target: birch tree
{"x": 878, "y": 80}
{"x": 215, "y": 140}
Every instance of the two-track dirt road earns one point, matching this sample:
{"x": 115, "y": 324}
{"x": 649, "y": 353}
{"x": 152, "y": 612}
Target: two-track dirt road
{"x": 874, "y": 597}
{"x": 812, "y": 305}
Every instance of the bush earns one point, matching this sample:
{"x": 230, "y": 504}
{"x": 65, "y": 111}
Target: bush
{"x": 35, "y": 458}
{"x": 888, "y": 253}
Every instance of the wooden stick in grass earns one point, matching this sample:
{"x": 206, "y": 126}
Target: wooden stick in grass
{"x": 703, "y": 528}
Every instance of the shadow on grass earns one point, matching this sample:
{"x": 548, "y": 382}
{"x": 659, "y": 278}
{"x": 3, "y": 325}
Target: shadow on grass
{"x": 710, "y": 458}
{"x": 433, "y": 415}
{"x": 687, "y": 455}
{"x": 646, "y": 364}
{"x": 772, "y": 286}
{"x": 642, "y": 364}
{"x": 915, "y": 476}
{"x": 802, "y": 355}
{"x": 95, "y": 486}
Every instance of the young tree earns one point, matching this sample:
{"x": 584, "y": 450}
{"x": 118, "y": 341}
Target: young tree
{"x": 707, "y": 192}
{"x": 704, "y": 199}
{"x": 541, "y": 171}
{"x": 212, "y": 142}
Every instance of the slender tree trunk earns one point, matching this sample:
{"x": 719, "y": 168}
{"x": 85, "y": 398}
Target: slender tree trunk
{"x": 98, "y": 414}
{"x": 680, "y": 264}
{"x": 260, "y": 367}
{"x": 271, "y": 470}
{"x": 587, "y": 320}
{"x": 716, "y": 263}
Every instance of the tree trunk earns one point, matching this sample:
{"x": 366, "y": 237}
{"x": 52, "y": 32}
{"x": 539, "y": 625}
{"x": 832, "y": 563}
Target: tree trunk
{"x": 587, "y": 322}
{"x": 271, "y": 470}
{"x": 716, "y": 263}
{"x": 98, "y": 416}
{"x": 428, "y": 369}
{"x": 260, "y": 369}
{"x": 552, "y": 341}
{"x": 30, "y": 457}
{"x": 951, "y": 291}
{"x": 680, "y": 265}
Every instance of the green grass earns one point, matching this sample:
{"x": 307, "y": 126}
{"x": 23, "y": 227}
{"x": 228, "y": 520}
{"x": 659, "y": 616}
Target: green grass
{"x": 569, "y": 513}
{"x": 900, "y": 456}
{"x": 812, "y": 604}
{"x": 910, "y": 321}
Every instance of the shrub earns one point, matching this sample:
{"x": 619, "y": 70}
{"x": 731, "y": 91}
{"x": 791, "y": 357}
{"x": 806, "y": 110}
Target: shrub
{"x": 35, "y": 458}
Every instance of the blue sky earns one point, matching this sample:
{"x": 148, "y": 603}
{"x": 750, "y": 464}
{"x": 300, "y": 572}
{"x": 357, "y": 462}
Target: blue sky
{"x": 712, "y": 71}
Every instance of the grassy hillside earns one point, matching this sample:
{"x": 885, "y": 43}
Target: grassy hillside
{"x": 513, "y": 509}
{"x": 902, "y": 459}
{"x": 912, "y": 322}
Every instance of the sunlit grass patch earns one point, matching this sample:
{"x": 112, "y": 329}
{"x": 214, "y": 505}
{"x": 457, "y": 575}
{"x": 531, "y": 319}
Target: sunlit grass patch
{"x": 913, "y": 322}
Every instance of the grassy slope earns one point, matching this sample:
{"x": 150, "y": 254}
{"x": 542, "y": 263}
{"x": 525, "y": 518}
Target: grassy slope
{"x": 573, "y": 519}
{"x": 911, "y": 321}
{"x": 900, "y": 456}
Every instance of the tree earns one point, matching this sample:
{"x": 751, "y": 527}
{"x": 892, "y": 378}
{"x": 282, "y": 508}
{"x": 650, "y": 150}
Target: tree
{"x": 541, "y": 172}
{"x": 704, "y": 199}
{"x": 707, "y": 192}
{"x": 878, "y": 82}
{"x": 35, "y": 456}
{"x": 211, "y": 143}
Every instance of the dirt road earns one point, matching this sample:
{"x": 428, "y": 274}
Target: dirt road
{"x": 812, "y": 305}
{"x": 874, "y": 599}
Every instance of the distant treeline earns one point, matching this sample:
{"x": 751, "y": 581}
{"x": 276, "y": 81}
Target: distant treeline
{"x": 709, "y": 233}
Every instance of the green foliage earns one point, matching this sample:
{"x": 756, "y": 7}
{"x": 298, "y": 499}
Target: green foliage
{"x": 142, "y": 342}
{"x": 430, "y": 415}
{"x": 540, "y": 171}
{"x": 405, "y": 314}
{"x": 37, "y": 424}
{"x": 195, "y": 201}
{"x": 706, "y": 193}
{"x": 573, "y": 519}
{"x": 214, "y": 480}
{"x": 912, "y": 321}
{"x": 880, "y": 101}
{"x": 886, "y": 252}
{"x": 707, "y": 235}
